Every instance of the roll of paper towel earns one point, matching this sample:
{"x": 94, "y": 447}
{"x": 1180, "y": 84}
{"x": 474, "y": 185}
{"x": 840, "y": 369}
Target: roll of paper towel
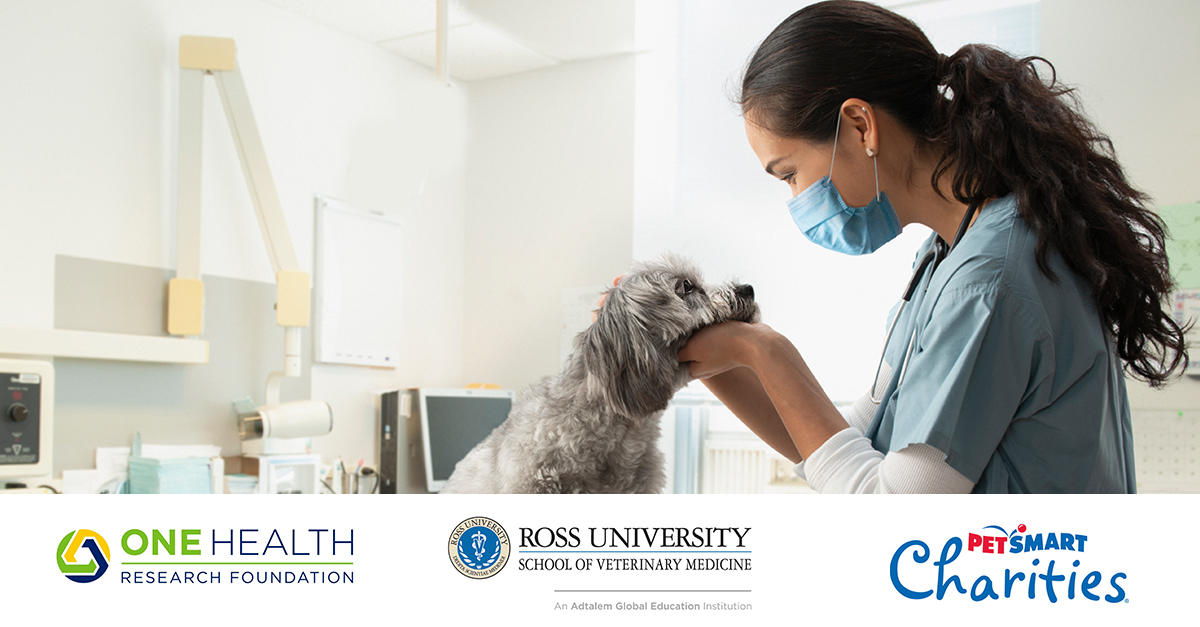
{"x": 297, "y": 419}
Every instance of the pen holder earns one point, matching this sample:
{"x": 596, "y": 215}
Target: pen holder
{"x": 367, "y": 482}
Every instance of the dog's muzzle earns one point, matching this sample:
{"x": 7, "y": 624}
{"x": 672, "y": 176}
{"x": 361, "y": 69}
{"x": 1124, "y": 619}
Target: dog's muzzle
{"x": 744, "y": 307}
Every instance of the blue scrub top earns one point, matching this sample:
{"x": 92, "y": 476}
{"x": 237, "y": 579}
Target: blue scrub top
{"x": 1013, "y": 376}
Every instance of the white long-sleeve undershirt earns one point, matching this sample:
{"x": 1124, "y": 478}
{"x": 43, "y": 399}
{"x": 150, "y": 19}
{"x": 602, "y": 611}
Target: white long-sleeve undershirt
{"x": 847, "y": 463}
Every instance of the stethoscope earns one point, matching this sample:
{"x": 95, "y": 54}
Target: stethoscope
{"x": 933, "y": 257}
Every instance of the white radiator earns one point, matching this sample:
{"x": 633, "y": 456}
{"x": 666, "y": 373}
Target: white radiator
{"x": 735, "y": 463}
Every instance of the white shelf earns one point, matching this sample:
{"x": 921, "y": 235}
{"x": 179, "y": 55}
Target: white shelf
{"x": 96, "y": 345}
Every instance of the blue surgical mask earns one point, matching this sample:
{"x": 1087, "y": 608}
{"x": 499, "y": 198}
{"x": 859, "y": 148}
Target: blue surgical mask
{"x": 825, "y": 218}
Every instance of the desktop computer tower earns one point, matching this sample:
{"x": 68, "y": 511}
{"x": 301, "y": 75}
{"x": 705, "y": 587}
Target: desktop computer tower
{"x": 401, "y": 461}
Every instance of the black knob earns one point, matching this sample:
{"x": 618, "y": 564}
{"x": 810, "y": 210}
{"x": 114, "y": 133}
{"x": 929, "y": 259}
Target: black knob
{"x": 18, "y": 412}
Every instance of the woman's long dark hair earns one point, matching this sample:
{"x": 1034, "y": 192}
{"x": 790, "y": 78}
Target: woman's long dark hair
{"x": 1006, "y": 130}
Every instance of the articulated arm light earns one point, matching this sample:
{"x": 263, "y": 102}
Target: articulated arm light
{"x": 217, "y": 56}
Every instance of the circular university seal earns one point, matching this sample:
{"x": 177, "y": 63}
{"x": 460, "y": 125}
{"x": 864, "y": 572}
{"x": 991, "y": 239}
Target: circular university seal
{"x": 479, "y": 547}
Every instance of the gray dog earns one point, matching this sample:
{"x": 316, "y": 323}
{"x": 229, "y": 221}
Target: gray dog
{"x": 594, "y": 427}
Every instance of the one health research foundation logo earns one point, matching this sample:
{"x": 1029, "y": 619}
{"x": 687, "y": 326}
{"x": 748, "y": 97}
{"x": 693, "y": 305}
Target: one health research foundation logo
{"x": 479, "y": 547}
{"x": 199, "y": 556}
{"x": 83, "y": 556}
{"x": 995, "y": 562}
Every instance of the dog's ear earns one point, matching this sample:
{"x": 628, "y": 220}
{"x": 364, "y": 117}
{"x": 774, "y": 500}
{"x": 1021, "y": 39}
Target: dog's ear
{"x": 624, "y": 364}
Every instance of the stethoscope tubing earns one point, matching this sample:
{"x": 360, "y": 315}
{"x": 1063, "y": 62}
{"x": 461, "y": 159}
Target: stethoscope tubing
{"x": 934, "y": 257}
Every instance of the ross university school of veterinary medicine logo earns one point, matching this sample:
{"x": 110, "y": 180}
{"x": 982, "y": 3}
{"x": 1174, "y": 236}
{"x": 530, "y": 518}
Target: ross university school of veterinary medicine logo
{"x": 479, "y": 547}
{"x": 77, "y": 565}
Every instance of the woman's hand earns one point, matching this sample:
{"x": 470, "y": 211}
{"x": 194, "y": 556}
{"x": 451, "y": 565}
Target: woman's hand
{"x": 760, "y": 376}
{"x": 600, "y": 302}
{"x": 721, "y": 347}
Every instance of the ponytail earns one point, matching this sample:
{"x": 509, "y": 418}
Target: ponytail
{"x": 1008, "y": 131}
{"x": 1004, "y": 130}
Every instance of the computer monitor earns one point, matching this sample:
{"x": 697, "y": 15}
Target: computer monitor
{"x": 453, "y": 421}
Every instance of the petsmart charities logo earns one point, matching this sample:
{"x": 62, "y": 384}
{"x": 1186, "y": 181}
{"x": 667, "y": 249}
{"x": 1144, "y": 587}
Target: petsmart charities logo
{"x": 1043, "y": 576}
{"x": 204, "y": 556}
{"x": 479, "y": 547}
{"x": 79, "y": 545}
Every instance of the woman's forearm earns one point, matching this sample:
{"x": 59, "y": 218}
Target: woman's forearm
{"x": 803, "y": 407}
{"x": 740, "y": 391}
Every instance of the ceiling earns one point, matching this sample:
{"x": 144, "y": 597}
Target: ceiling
{"x": 486, "y": 38}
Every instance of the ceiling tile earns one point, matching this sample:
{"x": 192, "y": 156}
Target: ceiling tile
{"x": 476, "y": 51}
{"x": 563, "y": 29}
{"x": 375, "y": 20}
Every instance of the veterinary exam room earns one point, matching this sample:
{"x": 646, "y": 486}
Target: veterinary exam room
{"x": 599, "y": 246}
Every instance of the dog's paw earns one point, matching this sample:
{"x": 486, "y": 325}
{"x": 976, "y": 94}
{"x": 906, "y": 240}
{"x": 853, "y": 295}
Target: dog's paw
{"x": 546, "y": 481}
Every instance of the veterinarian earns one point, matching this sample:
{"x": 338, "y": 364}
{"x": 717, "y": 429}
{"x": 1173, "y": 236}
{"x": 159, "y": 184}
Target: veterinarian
{"x": 1042, "y": 283}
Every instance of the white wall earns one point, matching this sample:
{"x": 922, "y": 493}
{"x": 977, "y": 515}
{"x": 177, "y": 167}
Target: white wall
{"x": 549, "y": 206}
{"x": 1134, "y": 65}
{"x": 87, "y": 164}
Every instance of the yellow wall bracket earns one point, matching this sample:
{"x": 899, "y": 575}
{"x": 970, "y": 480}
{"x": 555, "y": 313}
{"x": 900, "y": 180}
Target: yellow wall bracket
{"x": 207, "y": 53}
{"x": 185, "y": 307}
{"x": 291, "y": 299}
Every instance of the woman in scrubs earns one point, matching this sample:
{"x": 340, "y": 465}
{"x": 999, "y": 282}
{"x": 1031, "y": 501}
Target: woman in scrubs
{"x": 1042, "y": 283}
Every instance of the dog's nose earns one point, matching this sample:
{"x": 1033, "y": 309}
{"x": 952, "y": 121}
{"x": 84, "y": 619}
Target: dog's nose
{"x": 744, "y": 291}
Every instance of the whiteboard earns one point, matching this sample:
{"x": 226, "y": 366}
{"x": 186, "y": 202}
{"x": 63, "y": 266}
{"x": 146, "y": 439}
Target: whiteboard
{"x": 359, "y": 285}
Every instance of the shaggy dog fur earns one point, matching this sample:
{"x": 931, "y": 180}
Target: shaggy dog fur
{"x": 594, "y": 427}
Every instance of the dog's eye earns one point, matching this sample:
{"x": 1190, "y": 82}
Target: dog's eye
{"x": 686, "y": 286}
